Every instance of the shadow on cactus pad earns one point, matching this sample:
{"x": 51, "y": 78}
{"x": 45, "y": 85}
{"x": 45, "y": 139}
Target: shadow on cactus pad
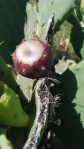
{"x": 71, "y": 131}
{"x": 77, "y": 40}
{"x": 12, "y": 17}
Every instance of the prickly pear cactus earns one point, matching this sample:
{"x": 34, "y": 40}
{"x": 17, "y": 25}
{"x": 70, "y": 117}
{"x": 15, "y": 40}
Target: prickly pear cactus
{"x": 82, "y": 8}
{"x": 72, "y": 76}
{"x": 9, "y": 115}
{"x": 81, "y": 11}
{"x": 4, "y": 142}
{"x": 32, "y": 15}
{"x": 72, "y": 128}
{"x": 41, "y": 25}
{"x": 42, "y": 20}
{"x": 78, "y": 71}
{"x": 77, "y": 19}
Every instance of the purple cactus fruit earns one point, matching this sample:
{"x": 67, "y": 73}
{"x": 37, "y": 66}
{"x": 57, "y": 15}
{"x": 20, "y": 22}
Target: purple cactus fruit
{"x": 33, "y": 58}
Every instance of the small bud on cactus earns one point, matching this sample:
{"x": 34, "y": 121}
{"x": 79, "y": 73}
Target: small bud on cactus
{"x": 33, "y": 59}
{"x": 62, "y": 45}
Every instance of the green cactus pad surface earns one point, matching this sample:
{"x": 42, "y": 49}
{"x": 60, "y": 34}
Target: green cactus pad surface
{"x": 78, "y": 71}
{"x": 4, "y": 142}
{"x": 11, "y": 111}
{"x": 41, "y": 15}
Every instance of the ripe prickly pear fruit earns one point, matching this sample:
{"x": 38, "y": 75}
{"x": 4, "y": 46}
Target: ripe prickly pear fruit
{"x": 11, "y": 111}
{"x": 33, "y": 59}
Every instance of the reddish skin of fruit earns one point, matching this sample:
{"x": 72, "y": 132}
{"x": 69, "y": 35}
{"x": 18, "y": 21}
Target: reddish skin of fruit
{"x": 37, "y": 68}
